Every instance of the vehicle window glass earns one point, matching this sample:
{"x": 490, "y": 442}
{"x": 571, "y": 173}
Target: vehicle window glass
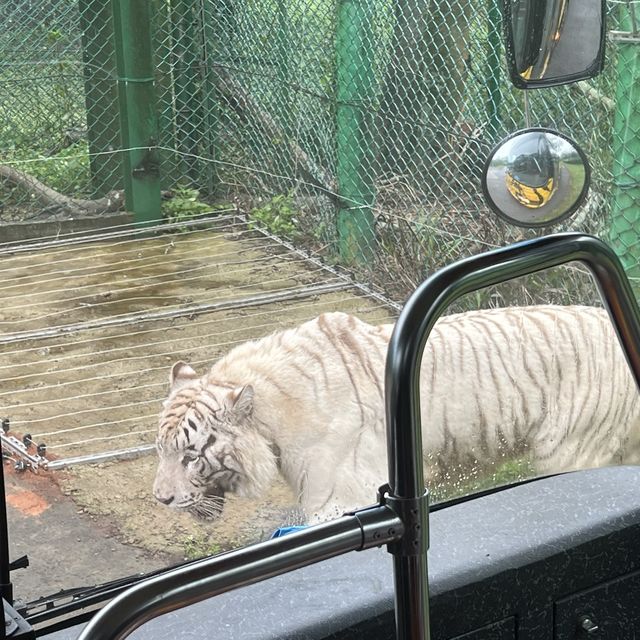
{"x": 522, "y": 380}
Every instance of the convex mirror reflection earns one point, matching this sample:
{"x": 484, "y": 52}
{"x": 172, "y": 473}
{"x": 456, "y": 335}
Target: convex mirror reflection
{"x": 536, "y": 178}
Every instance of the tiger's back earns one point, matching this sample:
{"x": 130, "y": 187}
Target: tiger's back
{"x": 318, "y": 393}
{"x": 550, "y": 382}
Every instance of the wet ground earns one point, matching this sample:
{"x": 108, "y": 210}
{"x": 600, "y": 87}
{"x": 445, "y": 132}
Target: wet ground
{"x": 88, "y": 525}
{"x": 88, "y": 333}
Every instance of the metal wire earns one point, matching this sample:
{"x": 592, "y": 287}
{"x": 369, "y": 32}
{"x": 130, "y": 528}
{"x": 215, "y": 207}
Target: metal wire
{"x": 97, "y": 384}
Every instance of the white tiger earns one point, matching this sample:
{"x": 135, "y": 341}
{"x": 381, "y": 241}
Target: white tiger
{"x": 548, "y": 382}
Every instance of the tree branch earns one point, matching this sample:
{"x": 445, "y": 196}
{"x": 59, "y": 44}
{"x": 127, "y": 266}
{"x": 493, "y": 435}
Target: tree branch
{"x": 50, "y": 198}
{"x": 248, "y": 110}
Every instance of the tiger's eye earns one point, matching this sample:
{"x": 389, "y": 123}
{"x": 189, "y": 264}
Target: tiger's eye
{"x": 190, "y": 457}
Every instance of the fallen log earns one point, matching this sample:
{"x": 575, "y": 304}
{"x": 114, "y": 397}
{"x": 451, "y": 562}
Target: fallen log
{"x": 50, "y": 199}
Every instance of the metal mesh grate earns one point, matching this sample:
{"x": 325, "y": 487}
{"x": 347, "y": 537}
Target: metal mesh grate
{"x": 89, "y": 331}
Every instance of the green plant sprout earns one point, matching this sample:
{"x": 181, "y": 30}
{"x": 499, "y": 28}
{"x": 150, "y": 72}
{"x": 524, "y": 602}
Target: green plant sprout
{"x": 278, "y": 215}
{"x": 185, "y": 205}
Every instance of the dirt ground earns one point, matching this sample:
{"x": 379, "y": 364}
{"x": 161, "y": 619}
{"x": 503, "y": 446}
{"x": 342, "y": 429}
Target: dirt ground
{"x": 98, "y": 523}
{"x": 67, "y": 546}
{"x": 145, "y": 523}
{"x": 84, "y": 363}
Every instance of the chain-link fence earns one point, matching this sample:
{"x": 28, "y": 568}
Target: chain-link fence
{"x": 357, "y": 128}
{"x": 42, "y": 111}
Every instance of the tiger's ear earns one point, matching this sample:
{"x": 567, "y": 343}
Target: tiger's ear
{"x": 241, "y": 400}
{"x": 181, "y": 374}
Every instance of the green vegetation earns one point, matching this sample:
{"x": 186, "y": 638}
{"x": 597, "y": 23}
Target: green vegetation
{"x": 67, "y": 173}
{"x": 435, "y": 101}
{"x": 42, "y": 111}
{"x": 279, "y": 215}
{"x": 199, "y": 546}
{"x": 185, "y": 205}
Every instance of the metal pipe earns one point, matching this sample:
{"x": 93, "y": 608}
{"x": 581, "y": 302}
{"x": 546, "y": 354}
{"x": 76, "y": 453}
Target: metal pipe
{"x": 187, "y": 585}
{"x": 6, "y": 589}
{"x": 284, "y": 295}
{"x": 119, "y": 454}
{"x": 127, "y": 231}
{"x": 402, "y": 394}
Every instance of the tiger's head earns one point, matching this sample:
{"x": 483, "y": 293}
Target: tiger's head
{"x": 208, "y": 445}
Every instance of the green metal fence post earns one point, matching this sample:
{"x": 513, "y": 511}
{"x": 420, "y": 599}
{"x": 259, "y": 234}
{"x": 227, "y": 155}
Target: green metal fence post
{"x": 625, "y": 215}
{"x": 101, "y": 94}
{"x": 355, "y": 95}
{"x": 138, "y": 114}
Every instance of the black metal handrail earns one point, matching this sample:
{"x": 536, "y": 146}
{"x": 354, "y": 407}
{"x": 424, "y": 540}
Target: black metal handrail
{"x": 402, "y": 385}
{"x": 401, "y": 518}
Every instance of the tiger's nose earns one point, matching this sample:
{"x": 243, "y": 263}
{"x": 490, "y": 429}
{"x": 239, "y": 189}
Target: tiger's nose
{"x": 162, "y": 498}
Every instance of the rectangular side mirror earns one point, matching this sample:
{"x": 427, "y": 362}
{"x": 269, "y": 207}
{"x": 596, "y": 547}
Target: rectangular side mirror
{"x": 553, "y": 42}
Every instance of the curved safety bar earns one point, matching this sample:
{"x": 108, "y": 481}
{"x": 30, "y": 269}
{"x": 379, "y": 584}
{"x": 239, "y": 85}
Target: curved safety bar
{"x": 402, "y": 392}
{"x": 187, "y": 585}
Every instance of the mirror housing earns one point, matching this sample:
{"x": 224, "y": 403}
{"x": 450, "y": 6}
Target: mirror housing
{"x": 553, "y": 42}
{"x": 536, "y": 178}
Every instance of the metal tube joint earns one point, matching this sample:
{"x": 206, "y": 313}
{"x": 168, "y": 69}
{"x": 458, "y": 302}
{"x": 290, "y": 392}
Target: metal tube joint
{"x": 378, "y": 527}
{"x": 414, "y": 514}
{"x": 405, "y": 530}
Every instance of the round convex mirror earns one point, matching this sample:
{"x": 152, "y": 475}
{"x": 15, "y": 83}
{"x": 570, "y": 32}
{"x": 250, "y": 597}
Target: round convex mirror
{"x": 536, "y": 178}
